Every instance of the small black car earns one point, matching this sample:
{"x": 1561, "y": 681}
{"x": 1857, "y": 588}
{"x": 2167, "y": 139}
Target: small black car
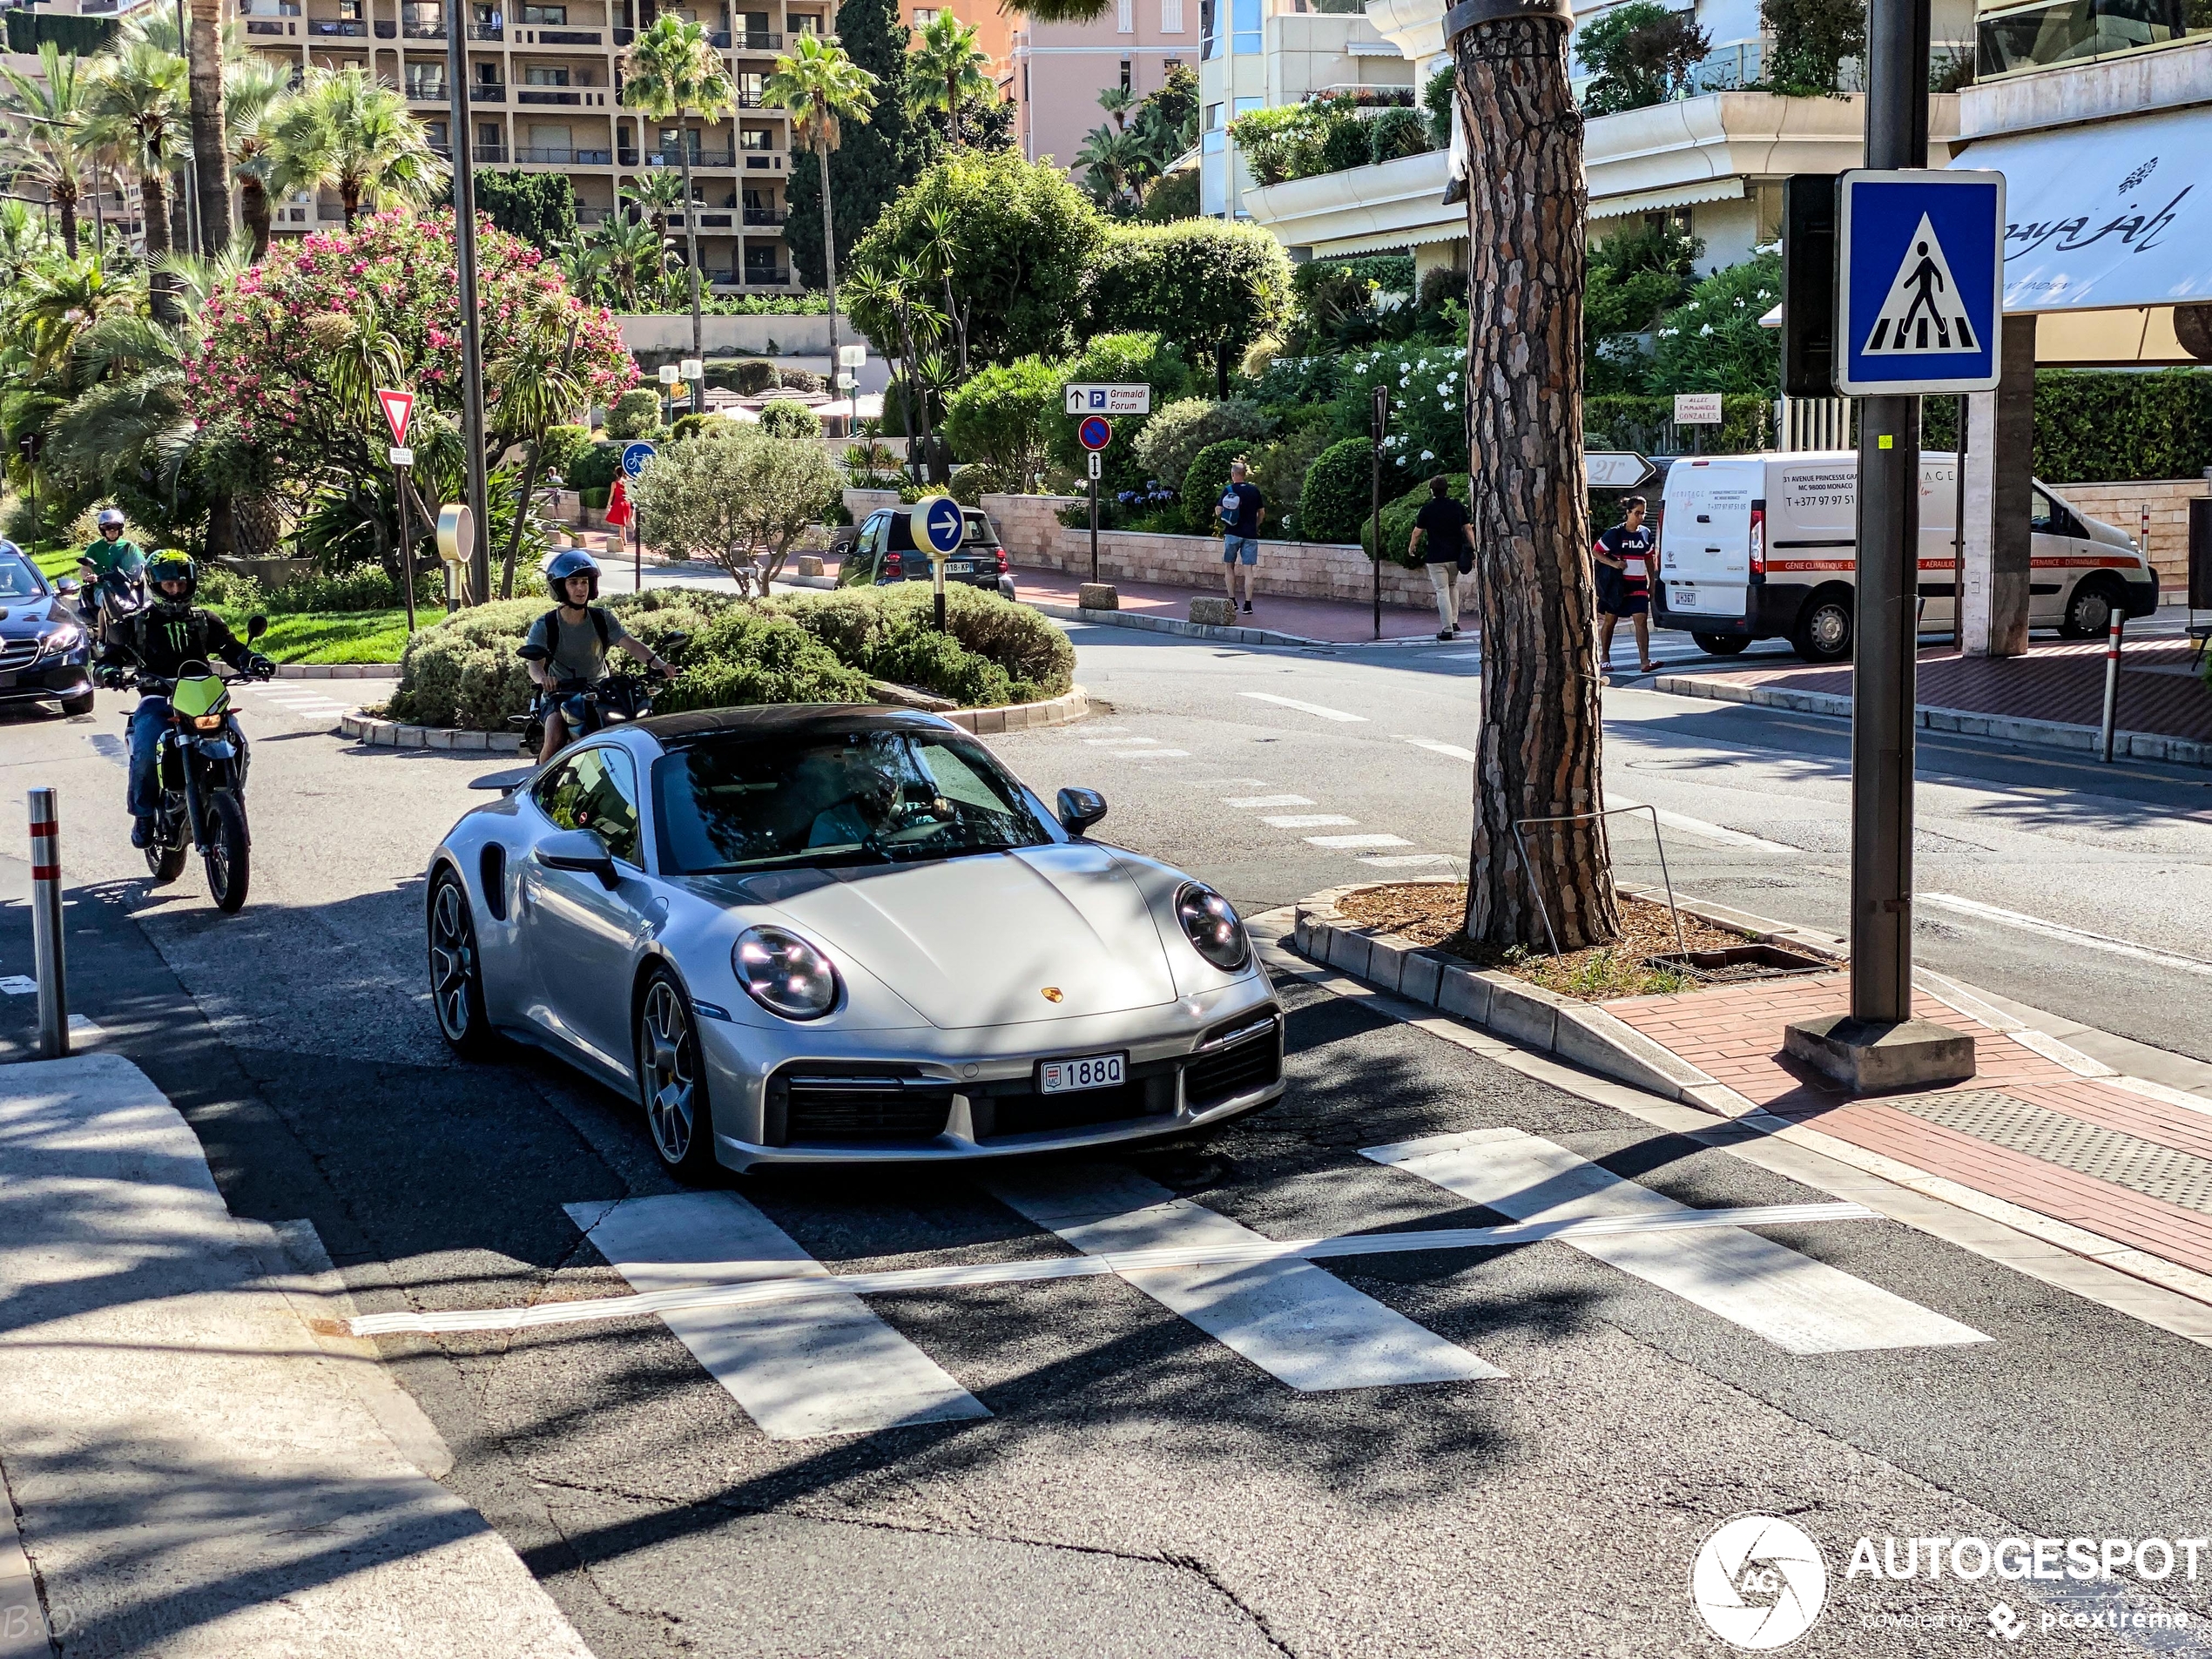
{"x": 44, "y": 649}
{"x": 882, "y": 550}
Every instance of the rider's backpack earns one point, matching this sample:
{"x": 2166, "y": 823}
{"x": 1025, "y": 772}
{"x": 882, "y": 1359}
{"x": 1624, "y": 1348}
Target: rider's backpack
{"x": 553, "y": 630}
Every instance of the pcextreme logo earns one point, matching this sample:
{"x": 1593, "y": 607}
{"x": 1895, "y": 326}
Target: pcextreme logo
{"x": 1758, "y": 1583}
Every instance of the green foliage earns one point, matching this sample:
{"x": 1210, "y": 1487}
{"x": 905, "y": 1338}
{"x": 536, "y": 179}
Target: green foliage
{"x": 1123, "y": 358}
{"x": 1397, "y": 516}
{"x": 1292, "y": 141}
{"x": 1396, "y": 133}
{"x": 464, "y": 673}
{"x": 595, "y": 466}
{"x": 1172, "y": 198}
{"x": 1638, "y": 54}
{"x": 748, "y": 378}
{"x": 560, "y": 449}
{"x": 1208, "y": 478}
{"x": 2105, "y": 425}
{"x": 875, "y": 159}
{"x": 1002, "y": 418}
{"x": 690, "y": 426}
{"x": 1635, "y": 277}
{"x": 979, "y": 478}
{"x": 746, "y": 654}
{"x": 1174, "y": 435}
{"x": 1630, "y": 421}
{"x": 1281, "y": 467}
{"x": 1427, "y": 403}
{"x": 1291, "y": 383}
{"x": 1345, "y": 144}
{"x": 1712, "y": 342}
{"x": 1024, "y": 238}
{"x": 784, "y": 419}
{"x": 813, "y": 304}
{"x": 1336, "y": 496}
{"x": 861, "y": 626}
{"x": 1439, "y": 99}
{"x": 1212, "y": 287}
{"x": 739, "y": 498}
{"x": 540, "y": 207}
{"x": 634, "y": 415}
{"x": 1812, "y": 40}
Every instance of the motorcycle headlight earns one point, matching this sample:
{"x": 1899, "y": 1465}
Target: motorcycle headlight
{"x": 66, "y": 637}
{"x": 783, "y": 974}
{"x": 207, "y": 722}
{"x": 1211, "y": 924}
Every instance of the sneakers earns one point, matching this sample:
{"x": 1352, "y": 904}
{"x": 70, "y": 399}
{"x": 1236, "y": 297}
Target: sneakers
{"x": 142, "y": 832}
{"x": 1248, "y": 607}
{"x": 1446, "y": 633}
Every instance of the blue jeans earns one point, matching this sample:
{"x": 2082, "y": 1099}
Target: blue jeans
{"x": 1236, "y": 548}
{"x": 148, "y": 721}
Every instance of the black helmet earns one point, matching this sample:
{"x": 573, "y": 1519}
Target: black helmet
{"x": 172, "y": 567}
{"x": 571, "y": 562}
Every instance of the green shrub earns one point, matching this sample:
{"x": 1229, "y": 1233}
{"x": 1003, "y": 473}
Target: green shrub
{"x": 2101, "y": 425}
{"x": 1002, "y": 414}
{"x": 1712, "y": 342}
{"x": 636, "y": 413}
{"x": 690, "y": 426}
{"x": 784, "y": 419}
{"x": 802, "y": 379}
{"x": 595, "y": 467}
{"x": 1440, "y": 99}
{"x": 1337, "y": 495}
{"x": 1345, "y": 144}
{"x": 1204, "y": 483}
{"x": 1017, "y": 656}
{"x": 1279, "y": 467}
{"x": 752, "y": 377}
{"x": 561, "y": 448}
{"x": 1174, "y": 435}
{"x": 747, "y": 654}
{"x": 1398, "y": 518}
{"x": 1397, "y": 132}
{"x": 979, "y": 478}
{"x": 596, "y": 499}
{"x": 228, "y": 589}
{"x": 464, "y": 673}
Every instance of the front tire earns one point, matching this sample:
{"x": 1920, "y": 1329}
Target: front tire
{"x": 2089, "y": 610}
{"x": 1721, "y": 644}
{"x": 227, "y": 857}
{"x": 164, "y": 863}
{"x": 672, "y": 1081}
{"x": 1825, "y": 626}
{"x": 81, "y": 704}
{"x": 456, "y": 972}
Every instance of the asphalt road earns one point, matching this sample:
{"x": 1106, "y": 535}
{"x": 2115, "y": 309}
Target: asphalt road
{"x": 1137, "y": 1487}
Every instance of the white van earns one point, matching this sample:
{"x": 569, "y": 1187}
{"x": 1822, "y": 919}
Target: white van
{"x": 1762, "y": 547}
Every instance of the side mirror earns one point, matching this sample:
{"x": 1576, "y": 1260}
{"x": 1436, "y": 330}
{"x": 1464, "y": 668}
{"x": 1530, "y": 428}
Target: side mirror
{"x": 534, "y": 653}
{"x": 674, "y": 642}
{"x": 65, "y": 586}
{"x": 256, "y": 626}
{"x": 581, "y": 851}
{"x": 1080, "y": 809}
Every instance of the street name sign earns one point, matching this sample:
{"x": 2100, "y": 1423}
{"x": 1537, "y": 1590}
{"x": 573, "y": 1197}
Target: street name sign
{"x": 1109, "y": 400}
{"x": 635, "y": 456}
{"x": 398, "y": 408}
{"x": 1095, "y": 432}
{"x": 1697, "y": 408}
{"x": 1616, "y": 468}
{"x": 401, "y": 456}
{"x": 1920, "y": 281}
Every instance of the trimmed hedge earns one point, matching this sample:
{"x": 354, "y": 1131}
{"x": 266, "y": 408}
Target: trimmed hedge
{"x": 1204, "y": 483}
{"x": 596, "y": 466}
{"x": 2105, "y": 426}
{"x": 1337, "y": 492}
{"x": 1398, "y": 518}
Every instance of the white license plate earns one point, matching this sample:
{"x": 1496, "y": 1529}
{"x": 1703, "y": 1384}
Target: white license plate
{"x": 1092, "y": 1071}
{"x": 1685, "y": 598}
{"x": 959, "y": 567}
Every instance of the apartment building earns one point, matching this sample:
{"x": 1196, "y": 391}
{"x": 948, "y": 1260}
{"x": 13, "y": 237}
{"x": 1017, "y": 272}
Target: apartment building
{"x": 1060, "y": 69}
{"x": 544, "y": 94}
{"x": 994, "y": 33}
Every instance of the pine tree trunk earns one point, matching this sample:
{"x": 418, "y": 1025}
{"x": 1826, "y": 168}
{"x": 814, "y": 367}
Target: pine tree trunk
{"x": 1537, "y": 751}
{"x": 207, "y": 138}
{"x": 253, "y": 212}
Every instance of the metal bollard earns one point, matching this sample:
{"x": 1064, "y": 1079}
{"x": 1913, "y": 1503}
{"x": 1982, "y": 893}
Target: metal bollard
{"x": 2112, "y": 679}
{"x": 46, "y": 925}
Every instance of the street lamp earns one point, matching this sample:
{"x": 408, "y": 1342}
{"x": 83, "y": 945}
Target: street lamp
{"x": 669, "y": 375}
{"x": 464, "y": 251}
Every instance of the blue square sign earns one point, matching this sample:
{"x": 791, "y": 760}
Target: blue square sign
{"x": 1920, "y": 281}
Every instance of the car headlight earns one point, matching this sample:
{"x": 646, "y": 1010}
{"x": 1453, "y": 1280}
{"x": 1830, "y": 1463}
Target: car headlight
{"x": 1211, "y": 924}
{"x": 66, "y": 637}
{"x": 783, "y": 974}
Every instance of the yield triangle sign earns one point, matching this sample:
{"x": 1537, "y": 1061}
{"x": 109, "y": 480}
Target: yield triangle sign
{"x": 398, "y": 407}
{"x": 1922, "y": 314}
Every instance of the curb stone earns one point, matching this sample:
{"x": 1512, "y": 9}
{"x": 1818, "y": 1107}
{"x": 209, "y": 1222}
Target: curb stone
{"x": 1175, "y": 626}
{"x": 337, "y": 670}
{"x": 2053, "y": 734}
{"x": 377, "y": 732}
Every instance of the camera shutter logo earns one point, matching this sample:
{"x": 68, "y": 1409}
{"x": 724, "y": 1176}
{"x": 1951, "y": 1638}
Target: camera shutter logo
{"x": 1758, "y": 1583}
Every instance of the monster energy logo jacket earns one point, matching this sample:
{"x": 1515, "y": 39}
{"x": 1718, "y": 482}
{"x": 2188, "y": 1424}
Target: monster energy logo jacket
{"x": 162, "y": 639}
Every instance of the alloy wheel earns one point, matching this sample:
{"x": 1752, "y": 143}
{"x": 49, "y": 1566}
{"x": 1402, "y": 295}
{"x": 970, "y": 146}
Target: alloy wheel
{"x": 453, "y": 962}
{"x": 667, "y": 1060}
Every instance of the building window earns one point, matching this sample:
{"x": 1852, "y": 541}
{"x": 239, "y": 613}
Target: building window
{"x": 1126, "y": 82}
{"x": 487, "y": 74}
{"x": 1169, "y": 65}
{"x": 806, "y": 22}
{"x": 426, "y": 80}
{"x": 555, "y": 15}
{"x": 544, "y": 75}
{"x": 2040, "y": 36}
{"x": 1245, "y": 15}
{"x": 1213, "y": 118}
{"x": 924, "y": 16}
{"x": 1125, "y": 18}
{"x": 434, "y": 133}
{"x": 1246, "y": 106}
{"x": 757, "y": 139}
{"x": 350, "y": 10}
{"x": 1209, "y": 29}
{"x": 1170, "y": 17}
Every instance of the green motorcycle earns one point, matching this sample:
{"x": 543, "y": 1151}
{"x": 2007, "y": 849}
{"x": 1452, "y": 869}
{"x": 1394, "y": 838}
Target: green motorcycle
{"x": 202, "y": 768}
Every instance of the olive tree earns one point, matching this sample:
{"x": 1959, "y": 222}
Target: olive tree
{"x": 740, "y": 499}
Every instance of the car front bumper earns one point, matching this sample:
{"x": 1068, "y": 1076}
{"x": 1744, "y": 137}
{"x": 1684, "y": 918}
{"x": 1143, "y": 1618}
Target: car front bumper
{"x": 46, "y": 680}
{"x": 796, "y": 1095}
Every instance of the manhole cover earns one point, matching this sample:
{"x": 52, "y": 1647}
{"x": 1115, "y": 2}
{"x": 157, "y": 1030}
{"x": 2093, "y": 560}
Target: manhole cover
{"x": 2148, "y": 1167}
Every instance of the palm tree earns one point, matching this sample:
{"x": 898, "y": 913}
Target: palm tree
{"x": 669, "y": 70}
{"x": 656, "y": 193}
{"x": 139, "y": 108}
{"x": 822, "y": 89}
{"x": 208, "y": 140}
{"x": 344, "y": 131}
{"x": 537, "y": 385}
{"x": 25, "y": 242}
{"x": 49, "y": 108}
{"x": 254, "y": 92}
{"x": 585, "y": 263}
{"x": 1117, "y": 101}
{"x": 946, "y": 69}
{"x": 1114, "y": 158}
{"x": 637, "y": 254}
{"x": 940, "y": 255}
{"x": 892, "y": 309}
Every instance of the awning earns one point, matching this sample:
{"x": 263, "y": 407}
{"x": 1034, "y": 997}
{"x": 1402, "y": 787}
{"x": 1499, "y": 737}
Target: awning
{"x": 1651, "y": 202}
{"x": 2105, "y": 216}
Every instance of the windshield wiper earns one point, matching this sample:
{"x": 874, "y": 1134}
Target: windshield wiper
{"x": 813, "y": 856}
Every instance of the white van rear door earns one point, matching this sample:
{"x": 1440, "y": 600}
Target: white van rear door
{"x": 1938, "y": 515}
{"x": 1705, "y": 542}
{"x": 1812, "y": 521}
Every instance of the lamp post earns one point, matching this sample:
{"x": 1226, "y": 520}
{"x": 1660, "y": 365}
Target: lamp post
{"x": 464, "y": 253}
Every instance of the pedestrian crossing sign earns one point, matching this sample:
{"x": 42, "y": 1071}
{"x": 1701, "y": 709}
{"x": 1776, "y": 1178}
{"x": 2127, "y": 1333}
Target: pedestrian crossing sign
{"x": 1920, "y": 281}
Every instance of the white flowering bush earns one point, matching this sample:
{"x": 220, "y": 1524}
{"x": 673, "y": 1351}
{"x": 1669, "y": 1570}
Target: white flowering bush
{"x": 1712, "y": 342}
{"x": 1427, "y": 385}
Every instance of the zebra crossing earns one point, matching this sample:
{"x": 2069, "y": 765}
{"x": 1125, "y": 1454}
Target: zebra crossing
{"x": 798, "y": 1349}
{"x": 311, "y": 699}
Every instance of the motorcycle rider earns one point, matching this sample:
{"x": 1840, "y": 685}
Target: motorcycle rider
{"x": 110, "y": 564}
{"x": 575, "y": 637}
{"x": 158, "y": 642}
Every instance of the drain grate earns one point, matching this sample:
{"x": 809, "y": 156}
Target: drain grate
{"x": 2154, "y": 1170}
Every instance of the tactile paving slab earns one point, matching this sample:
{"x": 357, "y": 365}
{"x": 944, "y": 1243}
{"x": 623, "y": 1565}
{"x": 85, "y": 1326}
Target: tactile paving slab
{"x": 2156, "y": 1171}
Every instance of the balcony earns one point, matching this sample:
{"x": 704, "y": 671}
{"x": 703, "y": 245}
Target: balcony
{"x": 487, "y": 92}
{"x": 545, "y": 156}
{"x": 764, "y": 160}
{"x": 761, "y": 276}
{"x": 568, "y": 36}
{"x": 427, "y": 91}
{"x": 269, "y": 26}
{"x": 759, "y": 40}
{"x": 624, "y": 37}
{"x": 344, "y": 28}
{"x": 766, "y": 216}
{"x": 423, "y": 30}
{"x": 487, "y": 31}
{"x": 746, "y": 100}
{"x": 669, "y": 157}
{"x": 547, "y": 95}
{"x": 706, "y": 221}
{"x": 488, "y": 152}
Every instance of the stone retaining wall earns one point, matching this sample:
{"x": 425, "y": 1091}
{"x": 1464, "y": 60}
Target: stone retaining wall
{"x": 2121, "y": 504}
{"x": 1292, "y": 570}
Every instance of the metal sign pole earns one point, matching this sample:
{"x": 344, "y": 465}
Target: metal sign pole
{"x": 478, "y": 553}
{"x": 407, "y": 548}
{"x": 46, "y": 948}
{"x": 1094, "y": 515}
{"x": 1377, "y": 427}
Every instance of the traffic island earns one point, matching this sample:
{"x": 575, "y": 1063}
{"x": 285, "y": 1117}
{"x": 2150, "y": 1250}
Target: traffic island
{"x": 1872, "y": 1057}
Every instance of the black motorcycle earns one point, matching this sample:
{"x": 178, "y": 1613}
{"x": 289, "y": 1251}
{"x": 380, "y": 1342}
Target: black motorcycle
{"x": 588, "y": 705}
{"x": 104, "y": 601}
{"x": 202, "y": 768}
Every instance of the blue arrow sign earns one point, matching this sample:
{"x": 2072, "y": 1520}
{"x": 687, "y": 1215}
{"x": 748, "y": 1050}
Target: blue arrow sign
{"x": 939, "y": 525}
{"x": 1920, "y": 281}
{"x": 635, "y": 456}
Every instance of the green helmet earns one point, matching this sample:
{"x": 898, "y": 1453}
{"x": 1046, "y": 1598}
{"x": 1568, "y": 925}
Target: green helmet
{"x": 173, "y": 567}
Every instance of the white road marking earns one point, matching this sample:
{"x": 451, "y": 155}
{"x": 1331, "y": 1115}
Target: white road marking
{"x": 1411, "y": 861}
{"x": 1303, "y": 708}
{"x": 1710, "y": 832}
{"x": 1151, "y": 754}
{"x": 108, "y": 747}
{"x": 19, "y": 984}
{"x": 753, "y": 1292}
{"x": 1304, "y": 821}
{"x": 1227, "y": 783}
{"x": 1116, "y": 743}
{"x": 83, "y": 1027}
{"x": 1300, "y": 1324}
{"x": 831, "y": 1367}
{"x": 1265, "y": 800}
{"x": 1435, "y": 747}
{"x": 2071, "y": 935}
{"x": 1347, "y": 841}
{"x": 1795, "y": 1302}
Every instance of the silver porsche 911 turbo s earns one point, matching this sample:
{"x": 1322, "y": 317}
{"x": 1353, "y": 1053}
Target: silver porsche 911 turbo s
{"x": 824, "y": 933}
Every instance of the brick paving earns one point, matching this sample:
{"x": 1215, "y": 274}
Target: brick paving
{"x": 1733, "y": 1034}
{"x": 2059, "y": 680}
{"x": 1335, "y": 620}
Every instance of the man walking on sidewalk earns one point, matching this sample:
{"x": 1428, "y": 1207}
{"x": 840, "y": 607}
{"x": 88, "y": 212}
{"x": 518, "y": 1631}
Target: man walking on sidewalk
{"x": 1624, "y": 561}
{"x": 1241, "y": 511}
{"x": 1451, "y": 551}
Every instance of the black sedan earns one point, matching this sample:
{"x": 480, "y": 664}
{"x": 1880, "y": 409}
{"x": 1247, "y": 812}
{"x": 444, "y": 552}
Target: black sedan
{"x": 45, "y": 650}
{"x": 881, "y": 549}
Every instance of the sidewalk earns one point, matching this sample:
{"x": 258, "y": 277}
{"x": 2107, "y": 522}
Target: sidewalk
{"x": 195, "y": 1469}
{"x": 1329, "y": 621}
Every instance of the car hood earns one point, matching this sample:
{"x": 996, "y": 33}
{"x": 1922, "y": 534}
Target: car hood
{"x": 976, "y": 941}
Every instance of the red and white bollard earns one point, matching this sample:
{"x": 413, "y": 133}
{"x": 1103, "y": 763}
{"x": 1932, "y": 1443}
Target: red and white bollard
{"x": 2112, "y": 679}
{"x": 46, "y": 925}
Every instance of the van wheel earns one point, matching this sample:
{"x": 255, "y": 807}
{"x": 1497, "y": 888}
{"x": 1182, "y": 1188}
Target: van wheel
{"x": 1720, "y": 644}
{"x": 1823, "y": 629}
{"x": 2088, "y": 612}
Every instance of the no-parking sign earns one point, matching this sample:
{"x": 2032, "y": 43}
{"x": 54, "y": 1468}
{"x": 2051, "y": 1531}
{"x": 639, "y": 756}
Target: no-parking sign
{"x": 1095, "y": 433}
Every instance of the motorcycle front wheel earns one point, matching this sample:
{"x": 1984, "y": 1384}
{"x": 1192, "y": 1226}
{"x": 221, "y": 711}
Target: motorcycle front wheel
{"x": 226, "y": 856}
{"x": 165, "y": 863}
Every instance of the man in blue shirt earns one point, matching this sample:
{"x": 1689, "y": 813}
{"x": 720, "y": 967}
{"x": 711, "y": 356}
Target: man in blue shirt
{"x": 1241, "y": 511}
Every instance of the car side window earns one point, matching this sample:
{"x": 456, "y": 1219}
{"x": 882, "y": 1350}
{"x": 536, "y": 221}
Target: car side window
{"x": 2042, "y": 514}
{"x": 595, "y": 789}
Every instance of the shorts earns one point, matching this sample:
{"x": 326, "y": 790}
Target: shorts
{"x": 1236, "y": 548}
{"x": 1615, "y": 597}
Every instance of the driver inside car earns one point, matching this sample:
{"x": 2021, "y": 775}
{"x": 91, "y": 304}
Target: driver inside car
{"x": 570, "y": 643}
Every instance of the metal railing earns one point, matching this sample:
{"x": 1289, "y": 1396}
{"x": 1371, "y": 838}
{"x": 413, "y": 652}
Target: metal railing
{"x": 551, "y": 155}
{"x": 759, "y": 40}
{"x": 488, "y": 152}
{"x": 766, "y": 216}
{"x": 487, "y": 31}
{"x": 546, "y": 95}
{"x": 422, "y": 30}
{"x": 344, "y": 28}
{"x": 568, "y": 38}
{"x": 427, "y": 92}
{"x": 669, "y": 158}
{"x": 764, "y": 160}
{"x": 487, "y": 92}
{"x": 1804, "y": 423}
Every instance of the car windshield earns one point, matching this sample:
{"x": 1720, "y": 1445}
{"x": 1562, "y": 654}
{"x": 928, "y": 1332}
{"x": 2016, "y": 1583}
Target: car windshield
{"x": 17, "y": 579}
{"x": 843, "y": 798}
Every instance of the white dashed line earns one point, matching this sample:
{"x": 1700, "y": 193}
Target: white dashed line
{"x": 1306, "y": 820}
{"x": 1303, "y": 708}
{"x": 1351, "y": 841}
{"x": 1435, "y": 747}
{"x": 1699, "y": 827}
{"x": 1116, "y": 743}
{"x": 1413, "y": 861}
{"x": 2071, "y": 935}
{"x": 1249, "y": 801}
{"x": 1152, "y": 754}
